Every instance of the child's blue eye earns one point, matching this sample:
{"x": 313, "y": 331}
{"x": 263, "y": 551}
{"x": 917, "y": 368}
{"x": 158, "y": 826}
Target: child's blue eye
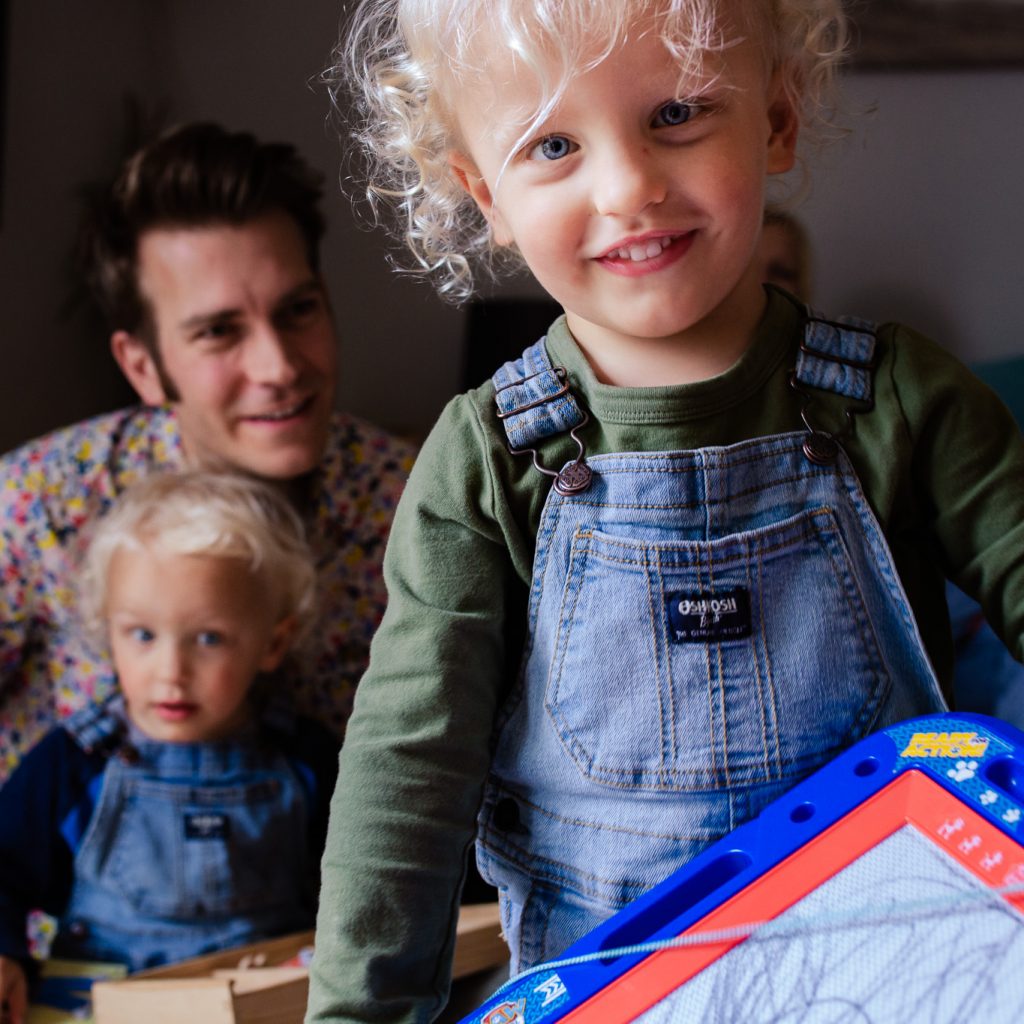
{"x": 210, "y": 638}
{"x": 554, "y": 147}
{"x": 673, "y": 113}
{"x": 141, "y": 635}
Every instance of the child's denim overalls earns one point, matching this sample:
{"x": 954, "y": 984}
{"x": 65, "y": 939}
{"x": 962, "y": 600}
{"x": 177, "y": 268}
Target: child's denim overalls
{"x": 705, "y": 628}
{"x": 190, "y": 848}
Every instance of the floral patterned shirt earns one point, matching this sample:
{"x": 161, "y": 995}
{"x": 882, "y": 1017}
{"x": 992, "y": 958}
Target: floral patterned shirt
{"x": 52, "y": 490}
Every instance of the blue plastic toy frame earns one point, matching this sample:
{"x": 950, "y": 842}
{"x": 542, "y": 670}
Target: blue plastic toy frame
{"x": 969, "y": 762}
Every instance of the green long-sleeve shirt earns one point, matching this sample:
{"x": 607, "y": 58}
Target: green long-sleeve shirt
{"x": 941, "y": 462}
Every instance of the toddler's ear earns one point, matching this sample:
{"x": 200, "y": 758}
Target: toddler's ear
{"x": 783, "y": 124}
{"x": 467, "y": 175}
{"x": 281, "y": 638}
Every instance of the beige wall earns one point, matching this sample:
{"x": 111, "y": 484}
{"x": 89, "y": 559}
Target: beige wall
{"x": 916, "y": 215}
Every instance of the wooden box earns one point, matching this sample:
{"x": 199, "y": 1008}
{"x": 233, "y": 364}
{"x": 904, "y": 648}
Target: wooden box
{"x": 256, "y": 985}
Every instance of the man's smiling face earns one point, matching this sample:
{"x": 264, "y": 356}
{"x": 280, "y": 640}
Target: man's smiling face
{"x": 246, "y": 346}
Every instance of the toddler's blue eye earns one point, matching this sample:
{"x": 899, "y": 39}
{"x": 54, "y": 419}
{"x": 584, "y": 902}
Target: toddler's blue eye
{"x": 554, "y": 147}
{"x": 673, "y": 113}
{"x": 210, "y": 638}
{"x": 141, "y": 635}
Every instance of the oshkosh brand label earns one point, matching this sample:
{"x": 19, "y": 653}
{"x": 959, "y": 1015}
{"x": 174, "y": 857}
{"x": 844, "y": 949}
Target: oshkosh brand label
{"x": 207, "y": 825}
{"x": 702, "y": 617}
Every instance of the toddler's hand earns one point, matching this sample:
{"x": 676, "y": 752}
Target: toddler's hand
{"x": 13, "y": 992}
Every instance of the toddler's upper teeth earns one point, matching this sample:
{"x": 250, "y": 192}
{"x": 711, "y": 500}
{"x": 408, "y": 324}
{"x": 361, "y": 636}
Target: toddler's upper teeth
{"x": 642, "y": 250}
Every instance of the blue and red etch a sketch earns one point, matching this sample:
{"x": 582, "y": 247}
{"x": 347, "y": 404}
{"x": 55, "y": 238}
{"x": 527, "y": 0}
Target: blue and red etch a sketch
{"x": 888, "y": 886}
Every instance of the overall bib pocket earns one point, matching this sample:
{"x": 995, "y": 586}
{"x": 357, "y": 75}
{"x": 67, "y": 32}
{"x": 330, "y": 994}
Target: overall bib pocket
{"x": 689, "y": 665}
{"x": 216, "y": 850}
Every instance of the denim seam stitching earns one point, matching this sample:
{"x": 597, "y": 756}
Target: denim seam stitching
{"x": 656, "y": 634}
{"x": 596, "y": 826}
{"x": 794, "y": 526}
{"x": 675, "y": 775}
{"x": 729, "y": 561}
{"x": 762, "y": 701}
{"x": 543, "y": 869}
{"x": 689, "y": 463}
{"x": 706, "y": 503}
{"x": 770, "y": 674}
{"x": 572, "y": 746}
{"x": 869, "y": 643}
{"x": 720, "y": 674}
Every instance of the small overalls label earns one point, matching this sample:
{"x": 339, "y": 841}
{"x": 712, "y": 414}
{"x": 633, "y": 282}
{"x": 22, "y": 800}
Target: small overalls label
{"x": 206, "y": 825}
{"x": 702, "y": 617}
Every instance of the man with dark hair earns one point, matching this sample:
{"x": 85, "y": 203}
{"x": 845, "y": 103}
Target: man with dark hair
{"x": 204, "y": 256}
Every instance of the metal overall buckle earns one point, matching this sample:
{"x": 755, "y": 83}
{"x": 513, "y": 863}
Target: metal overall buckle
{"x": 575, "y": 477}
{"x": 821, "y": 447}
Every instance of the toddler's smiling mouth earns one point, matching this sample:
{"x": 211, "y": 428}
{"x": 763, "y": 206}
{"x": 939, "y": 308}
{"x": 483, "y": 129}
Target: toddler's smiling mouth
{"x": 637, "y": 252}
{"x": 640, "y": 256}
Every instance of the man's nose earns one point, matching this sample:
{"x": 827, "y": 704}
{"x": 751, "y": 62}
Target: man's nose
{"x": 270, "y": 358}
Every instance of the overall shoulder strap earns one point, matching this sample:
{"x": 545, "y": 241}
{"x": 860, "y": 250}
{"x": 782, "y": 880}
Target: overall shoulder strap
{"x": 533, "y": 398}
{"x": 838, "y": 355}
{"x": 98, "y": 728}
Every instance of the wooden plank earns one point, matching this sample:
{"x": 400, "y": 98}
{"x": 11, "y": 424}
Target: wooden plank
{"x": 268, "y": 953}
{"x": 479, "y": 943}
{"x": 255, "y": 979}
{"x": 284, "y": 1003}
{"x": 207, "y": 1000}
{"x": 217, "y": 989}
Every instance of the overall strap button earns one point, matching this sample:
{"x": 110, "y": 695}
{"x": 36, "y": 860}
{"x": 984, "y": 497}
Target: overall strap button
{"x": 506, "y": 815}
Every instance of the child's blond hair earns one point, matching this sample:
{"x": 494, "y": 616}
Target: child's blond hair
{"x": 220, "y": 515}
{"x": 403, "y": 59}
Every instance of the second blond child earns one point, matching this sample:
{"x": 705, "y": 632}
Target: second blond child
{"x": 185, "y": 814}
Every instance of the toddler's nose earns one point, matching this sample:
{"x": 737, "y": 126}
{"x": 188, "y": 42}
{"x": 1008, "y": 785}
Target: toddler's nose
{"x": 627, "y": 182}
{"x": 173, "y": 664}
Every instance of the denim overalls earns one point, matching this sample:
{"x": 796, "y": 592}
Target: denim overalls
{"x": 705, "y": 628}
{"x": 190, "y": 848}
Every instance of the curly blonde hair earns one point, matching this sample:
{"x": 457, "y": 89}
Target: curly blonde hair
{"x": 401, "y": 61}
{"x": 220, "y": 515}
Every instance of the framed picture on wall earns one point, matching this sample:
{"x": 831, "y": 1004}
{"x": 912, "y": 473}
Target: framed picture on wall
{"x": 902, "y": 34}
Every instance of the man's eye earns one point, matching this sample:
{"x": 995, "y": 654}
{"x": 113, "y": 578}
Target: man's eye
{"x": 210, "y": 638}
{"x": 302, "y": 311}
{"x": 218, "y": 332}
{"x": 554, "y": 147}
{"x": 673, "y": 113}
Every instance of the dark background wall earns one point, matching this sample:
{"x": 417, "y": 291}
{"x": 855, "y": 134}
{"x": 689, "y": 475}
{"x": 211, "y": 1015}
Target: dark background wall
{"x": 915, "y": 215}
